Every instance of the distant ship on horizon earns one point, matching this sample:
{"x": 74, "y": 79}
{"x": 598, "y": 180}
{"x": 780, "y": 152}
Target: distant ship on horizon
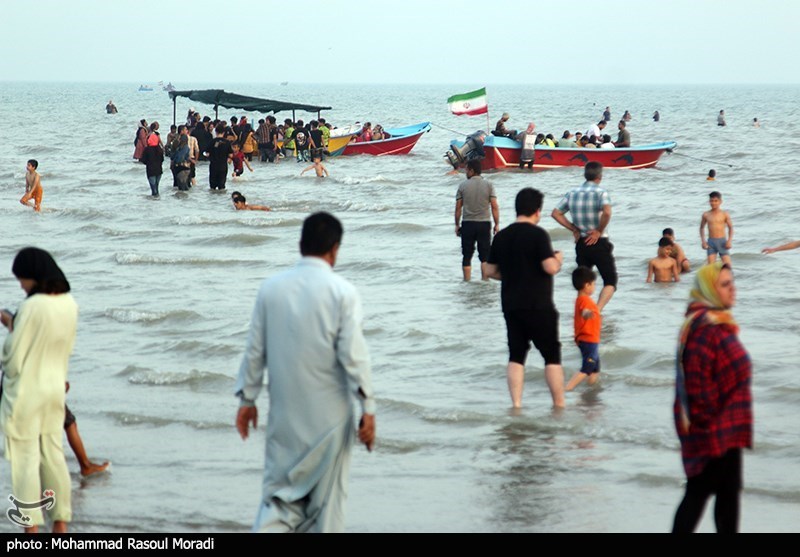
{"x": 145, "y": 88}
{"x": 284, "y": 83}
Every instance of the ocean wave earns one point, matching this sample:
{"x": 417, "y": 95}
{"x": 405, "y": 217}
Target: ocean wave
{"x": 203, "y": 348}
{"x": 398, "y": 227}
{"x": 123, "y": 315}
{"x": 397, "y": 447}
{"x": 193, "y": 378}
{"x": 119, "y": 233}
{"x": 362, "y": 207}
{"x": 141, "y": 259}
{"x": 784, "y": 495}
{"x": 353, "y": 180}
{"x": 644, "y": 380}
{"x": 128, "y": 419}
{"x": 38, "y": 149}
{"x": 237, "y": 240}
{"x": 84, "y": 214}
{"x": 192, "y": 220}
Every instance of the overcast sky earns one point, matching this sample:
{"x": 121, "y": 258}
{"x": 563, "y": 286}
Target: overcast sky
{"x": 408, "y": 41}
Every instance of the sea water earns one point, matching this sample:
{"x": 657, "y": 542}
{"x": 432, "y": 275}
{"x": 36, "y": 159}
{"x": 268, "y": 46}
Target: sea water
{"x": 166, "y": 288}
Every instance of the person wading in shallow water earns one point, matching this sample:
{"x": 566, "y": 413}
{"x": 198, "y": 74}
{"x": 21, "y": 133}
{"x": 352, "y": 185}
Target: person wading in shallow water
{"x": 713, "y": 403}
{"x": 306, "y": 331}
{"x": 591, "y": 214}
{"x": 474, "y": 199}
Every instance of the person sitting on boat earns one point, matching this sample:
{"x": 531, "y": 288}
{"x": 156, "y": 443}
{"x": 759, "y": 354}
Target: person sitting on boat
{"x": 110, "y": 108}
{"x": 624, "y": 137}
{"x": 549, "y": 140}
{"x": 540, "y": 140}
{"x": 366, "y": 132}
{"x": 377, "y": 133}
{"x": 588, "y": 142}
{"x": 607, "y": 143}
{"x": 578, "y": 137}
{"x": 566, "y": 140}
{"x": 500, "y": 129}
{"x": 596, "y": 129}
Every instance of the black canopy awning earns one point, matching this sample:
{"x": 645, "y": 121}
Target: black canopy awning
{"x": 218, "y": 97}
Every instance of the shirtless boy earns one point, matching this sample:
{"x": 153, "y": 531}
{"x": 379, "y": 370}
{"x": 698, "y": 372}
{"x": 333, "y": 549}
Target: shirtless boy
{"x": 240, "y": 203}
{"x": 664, "y": 268}
{"x": 33, "y": 187}
{"x": 318, "y": 167}
{"x": 677, "y": 251}
{"x": 717, "y": 220}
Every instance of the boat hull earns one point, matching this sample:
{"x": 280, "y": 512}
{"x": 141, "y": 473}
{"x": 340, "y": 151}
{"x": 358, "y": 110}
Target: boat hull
{"x": 401, "y": 142}
{"x": 505, "y": 153}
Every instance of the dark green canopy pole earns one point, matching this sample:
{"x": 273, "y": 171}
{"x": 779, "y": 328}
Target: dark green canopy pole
{"x": 216, "y": 111}
{"x": 174, "y": 110}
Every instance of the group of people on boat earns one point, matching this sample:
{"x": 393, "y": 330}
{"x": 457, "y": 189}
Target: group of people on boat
{"x": 370, "y": 133}
{"x": 594, "y": 138}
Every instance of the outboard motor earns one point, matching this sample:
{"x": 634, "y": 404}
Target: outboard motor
{"x": 472, "y": 149}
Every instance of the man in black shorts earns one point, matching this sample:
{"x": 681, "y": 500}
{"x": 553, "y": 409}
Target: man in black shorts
{"x": 591, "y": 213}
{"x": 522, "y": 257}
{"x": 474, "y": 198}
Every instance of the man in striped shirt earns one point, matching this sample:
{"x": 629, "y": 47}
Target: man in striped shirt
{"x": 591, "y": 213}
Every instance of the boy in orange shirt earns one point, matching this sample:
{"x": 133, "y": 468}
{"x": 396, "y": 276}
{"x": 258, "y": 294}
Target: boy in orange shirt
{"x": 587, "y": 327}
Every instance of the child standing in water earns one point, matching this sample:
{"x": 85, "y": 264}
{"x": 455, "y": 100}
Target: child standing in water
{"x": 587, "y": 327}
{"x": 239, "y": 161}
{"x": 717, "y": 220}
{"x": 663, "y": 267}
{"x": 318, "y": 167}
{"x": 33, "y": 186}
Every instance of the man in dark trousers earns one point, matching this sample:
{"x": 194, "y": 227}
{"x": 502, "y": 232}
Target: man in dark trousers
{"x": 522, "y": 257}
{"x": 218, "y": 153}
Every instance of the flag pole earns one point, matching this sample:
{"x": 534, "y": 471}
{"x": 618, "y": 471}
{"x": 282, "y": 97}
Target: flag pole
{"x": 488, "y": 127}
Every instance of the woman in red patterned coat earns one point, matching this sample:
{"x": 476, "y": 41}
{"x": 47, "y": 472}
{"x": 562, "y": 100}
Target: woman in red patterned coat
{"x": 713, "y": 403}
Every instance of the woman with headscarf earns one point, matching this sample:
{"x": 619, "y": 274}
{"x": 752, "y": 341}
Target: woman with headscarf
{"x": 140, "y": 143}
{"x": 182, "y": 163}
{"x": 528, "y": 140}
{"x": 35, "y": 358}
{"x": 713, "y": 403}
{"x": 153, "y": 159}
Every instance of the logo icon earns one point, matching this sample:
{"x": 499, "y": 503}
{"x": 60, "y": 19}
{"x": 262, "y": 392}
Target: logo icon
{"x": 19, "y": 518}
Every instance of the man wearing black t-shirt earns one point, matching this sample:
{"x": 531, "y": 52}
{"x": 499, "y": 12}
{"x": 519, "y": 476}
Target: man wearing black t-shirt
{"x": 522, "y": 257}
{"x": 218, "y": 153}
{"x": 316, "y": 140}
{"x": 301, "y": 141}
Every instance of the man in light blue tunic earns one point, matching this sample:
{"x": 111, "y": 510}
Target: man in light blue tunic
{"x": 306, "y": 331}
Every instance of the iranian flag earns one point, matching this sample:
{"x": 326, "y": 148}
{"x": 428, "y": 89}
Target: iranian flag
{"x": 469, "y": 104}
